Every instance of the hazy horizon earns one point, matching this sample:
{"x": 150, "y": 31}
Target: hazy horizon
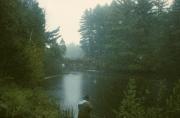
{"x": 67, "y": 14}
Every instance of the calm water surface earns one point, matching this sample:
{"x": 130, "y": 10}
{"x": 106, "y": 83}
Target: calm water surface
{"x": 105, "y": 89}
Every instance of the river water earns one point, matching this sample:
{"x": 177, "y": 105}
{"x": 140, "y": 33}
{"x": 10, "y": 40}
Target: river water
{"x": 106, "y": 90}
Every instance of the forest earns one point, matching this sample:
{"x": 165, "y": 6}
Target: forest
{"x": 28, "y": 53}
{"x": 139, "y": 36}
{"x": 133, "y": 35}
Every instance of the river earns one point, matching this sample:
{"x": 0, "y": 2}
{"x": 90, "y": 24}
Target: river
{"x": 106, "y": 90}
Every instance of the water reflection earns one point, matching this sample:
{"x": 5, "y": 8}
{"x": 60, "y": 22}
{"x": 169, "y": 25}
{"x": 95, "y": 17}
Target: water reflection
{"x": 106, "y": 90}
{"x": 72, "y": 89}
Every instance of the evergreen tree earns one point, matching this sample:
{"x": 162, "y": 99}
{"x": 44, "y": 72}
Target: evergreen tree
{"x": 130, "y": 105}
{"x": 22, "y": 39}
{"x": 54, "y": 52}
{"x": 173, "y": 103}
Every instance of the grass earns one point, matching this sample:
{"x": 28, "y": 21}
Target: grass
{"x": 20, "y": 102}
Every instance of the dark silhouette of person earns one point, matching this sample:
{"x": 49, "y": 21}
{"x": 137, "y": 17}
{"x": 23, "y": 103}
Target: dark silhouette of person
{"x": 84, "y": 108}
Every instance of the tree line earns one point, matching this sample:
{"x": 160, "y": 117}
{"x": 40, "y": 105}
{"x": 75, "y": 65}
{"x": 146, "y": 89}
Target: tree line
{"x": 28, "y": 52}
{"x": 137, "y": 35}
{"x": 134, "y": 105}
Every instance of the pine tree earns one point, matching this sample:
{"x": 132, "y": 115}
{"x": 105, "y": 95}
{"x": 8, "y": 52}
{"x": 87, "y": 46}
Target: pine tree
{"x": 130, "y": 105}
{"x": 22, "y": 40}
{"x": 173, "y": 103}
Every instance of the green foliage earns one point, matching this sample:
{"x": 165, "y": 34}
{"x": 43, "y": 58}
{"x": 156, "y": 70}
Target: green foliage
{"x": 154, "y": 112}
{"x": 34, "y": 57}
{"x": 18, "y": 102}
{"x": 23, "y": 42}
{"x": 27, "y": 103}
{"x": 130, "y": 106}
{"x": 22, "y": 39}
{"x": 140, "y": 35}
{"x": 173, "y": 103}
{"x": 54, "y": 53}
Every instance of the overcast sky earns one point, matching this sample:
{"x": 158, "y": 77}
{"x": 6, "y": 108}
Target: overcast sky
{"x": 67, "y": 14}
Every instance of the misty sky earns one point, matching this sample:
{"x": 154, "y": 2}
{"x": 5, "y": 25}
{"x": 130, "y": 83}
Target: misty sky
{"x": 67, "y": 14}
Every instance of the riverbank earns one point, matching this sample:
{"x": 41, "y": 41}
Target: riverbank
{"x": 24, "y": 102}
{"x": 110, "y": 94}
{"x": 106, "y": 90}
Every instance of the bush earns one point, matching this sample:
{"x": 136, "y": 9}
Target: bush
{"x": 18, "y": 102}
{"x": 130, "y": 105}
{"x": 173, "y": 103}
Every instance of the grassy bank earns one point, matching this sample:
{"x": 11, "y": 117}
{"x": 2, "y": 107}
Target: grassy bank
{"x": 21, "y": 102}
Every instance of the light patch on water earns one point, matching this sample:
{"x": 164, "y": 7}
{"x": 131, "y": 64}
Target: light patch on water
{"x": 72, "y": 89}
{"x": 95, "y": 81}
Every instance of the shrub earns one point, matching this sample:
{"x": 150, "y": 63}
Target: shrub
{"x": 130, "y": 105}
{"x": 27, "y": 103}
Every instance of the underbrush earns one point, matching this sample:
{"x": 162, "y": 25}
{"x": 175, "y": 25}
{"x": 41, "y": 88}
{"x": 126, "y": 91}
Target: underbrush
{"x": 133, "y": 106}
{"x": 18, "y": 102}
